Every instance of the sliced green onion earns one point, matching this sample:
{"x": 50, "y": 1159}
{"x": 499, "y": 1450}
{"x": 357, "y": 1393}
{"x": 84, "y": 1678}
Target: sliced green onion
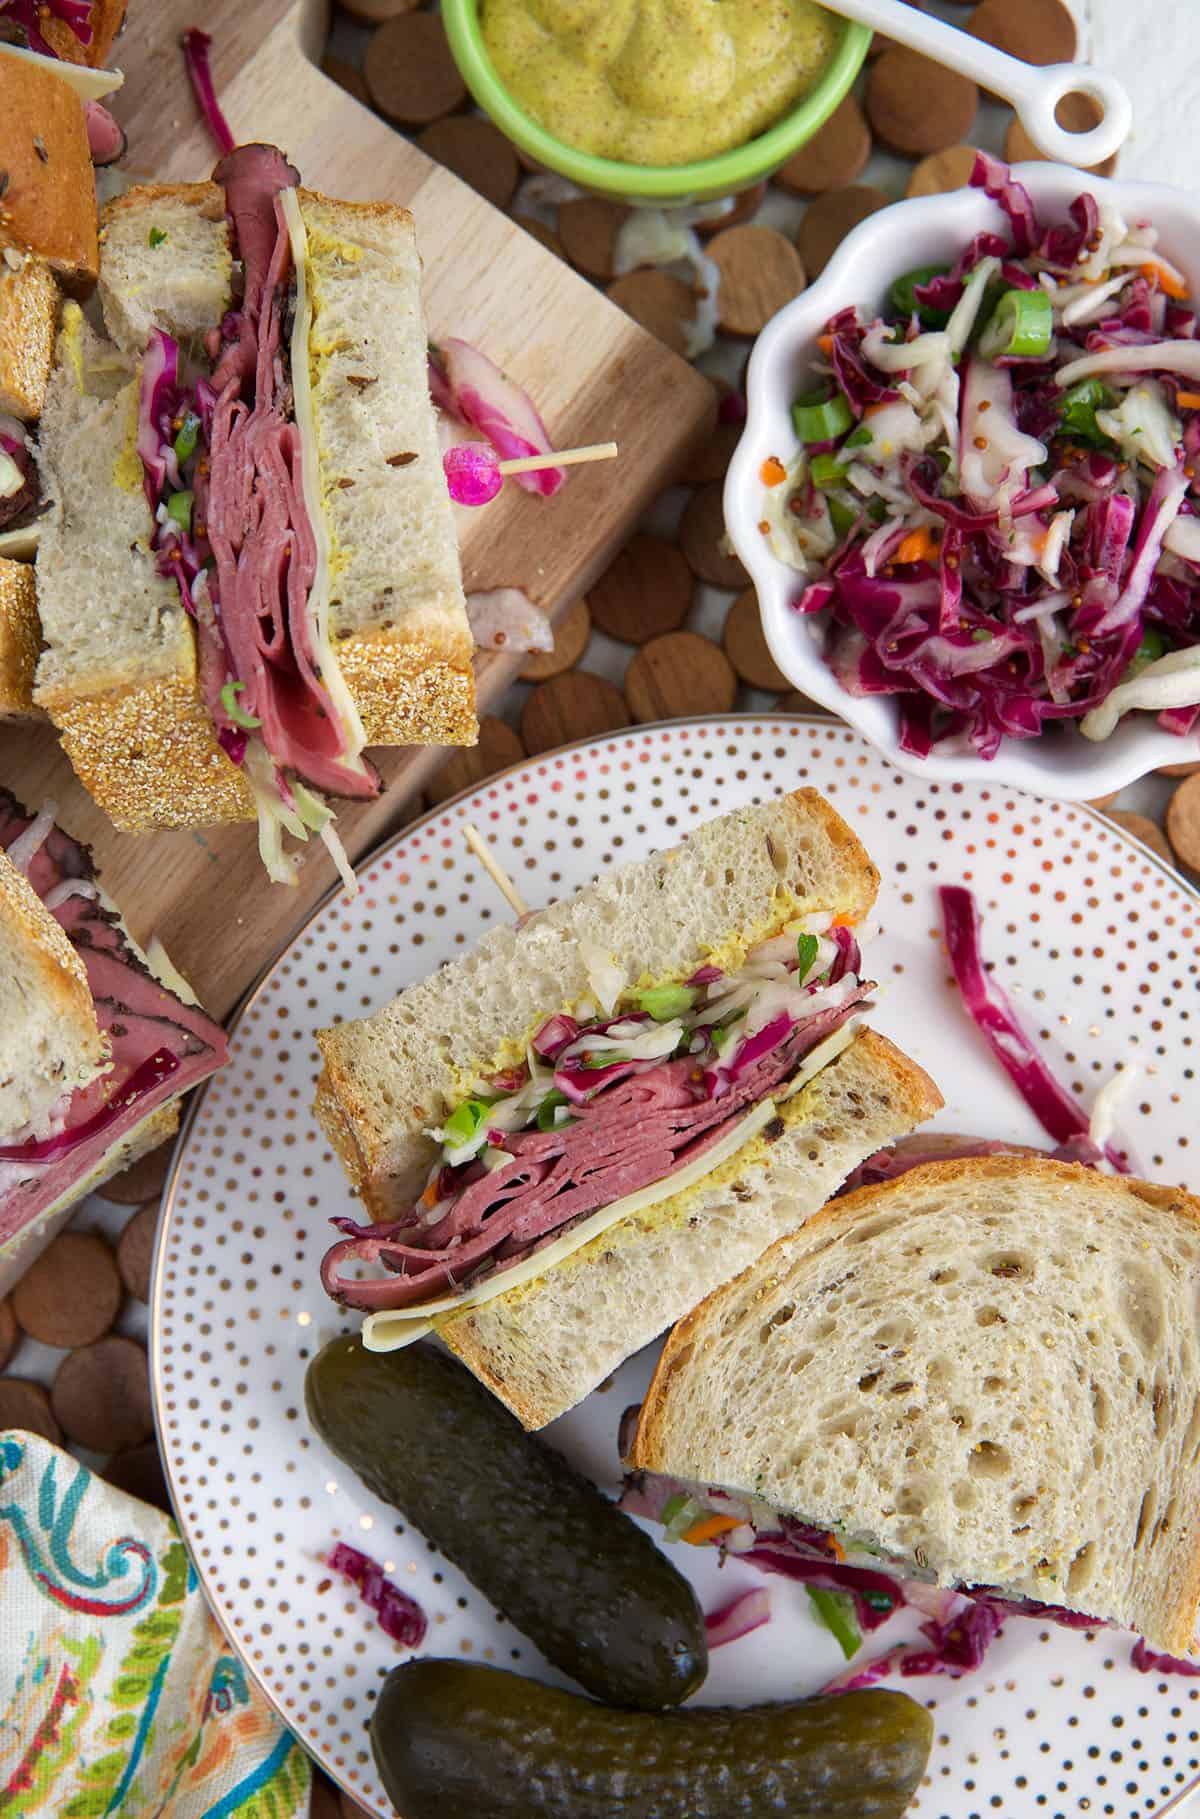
{"x": 188, "y": 436}
{"x": 546, "y": 1120}
{"x": 1022, "y": 323}
{"x": 678, "y": 1514}
{"x": 238, "y": 715}
{"x": 837, "y": 1613}
{"x": 860, "y": 437}
{"x": 157, "y": 237}
{"x": 606, "y": 1058}
{"x": 663, "y": 1002}
{"x": 806, "y": 949}
{"x": 1152, "y": 647}
{"x": 827, "y": 470}
{"x": 311, "y": 809}
{"x": 179, "y": 507}
{"x": 842, "y": 515}
{"x": 722, "y": 1036}
{"x": 903, "y": 298}
{"x": 822, "y": 419}
{"x": 1078, "y": 411}
{"x": 464, "y": 1122}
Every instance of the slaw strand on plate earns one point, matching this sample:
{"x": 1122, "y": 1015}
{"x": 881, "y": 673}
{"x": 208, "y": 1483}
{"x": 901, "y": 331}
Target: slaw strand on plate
{"x": 993, "y": 499}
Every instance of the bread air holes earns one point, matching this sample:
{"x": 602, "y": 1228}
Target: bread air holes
{"x": 1160, "y": 1402}
{"x": 780, "y": 1317}
{"x": 1145, "y": 1516}
{"x": 801, "y": 1362}
{"x": 988, "y": 1459}
{"x": 1100, "y": 1406}
{"x": 1191, "y": 1440}
{"x": 965, "y": 1495}
{"x": 874, "y": 1228}
{"x": 943, "y": 1276}
{"x": 1010, "y": 1266}
{"x": 992, "y": 1386}
{"x": 894, "y": 1332}
{"x": 1141, "y": 1305}
{"x": 989, "y": 1316}
{"x": 1082, "y": 1570}
{"x": 1023, "y": 1508}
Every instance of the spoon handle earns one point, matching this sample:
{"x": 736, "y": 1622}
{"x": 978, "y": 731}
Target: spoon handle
{"x": 1034, "y": 93}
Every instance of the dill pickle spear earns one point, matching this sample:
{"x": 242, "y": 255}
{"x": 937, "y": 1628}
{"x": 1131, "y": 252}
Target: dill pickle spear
{"x": 457, "y": 1740}
{"x": 542, "y": 1543}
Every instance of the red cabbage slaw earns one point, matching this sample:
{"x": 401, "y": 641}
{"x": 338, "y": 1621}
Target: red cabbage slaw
{"x": 610, "y": 1099}
{"x": 992, "y": 1013}
{"x": 30, "y": 15}
{"x": 400, "y": 1616}
{"x": 994, "y": 502}
{"x": 851, "y": 1597}
{"x": 196, "y": 46}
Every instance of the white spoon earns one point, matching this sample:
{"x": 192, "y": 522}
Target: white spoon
{"x": 1033, "y": 92}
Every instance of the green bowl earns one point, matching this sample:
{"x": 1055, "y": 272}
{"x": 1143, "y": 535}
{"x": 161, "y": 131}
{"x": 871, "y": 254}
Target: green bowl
{"x": 640, "y": 184}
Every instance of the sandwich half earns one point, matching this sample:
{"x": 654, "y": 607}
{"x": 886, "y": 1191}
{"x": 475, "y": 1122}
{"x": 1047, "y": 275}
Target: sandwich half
{"x": 984, "y": 1374}
{"x": 573, "y": 1134}
{"x": 95, "y": 1047}
{"x": 248, "y": 572}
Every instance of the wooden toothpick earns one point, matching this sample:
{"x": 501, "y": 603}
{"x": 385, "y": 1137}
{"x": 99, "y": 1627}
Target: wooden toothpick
{"x": 494, "y": 869}
{"x": 563, "y": 457}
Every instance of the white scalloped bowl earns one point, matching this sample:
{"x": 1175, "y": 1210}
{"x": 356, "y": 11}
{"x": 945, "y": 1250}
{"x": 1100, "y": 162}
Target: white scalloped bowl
{"x": 927, "y": 231}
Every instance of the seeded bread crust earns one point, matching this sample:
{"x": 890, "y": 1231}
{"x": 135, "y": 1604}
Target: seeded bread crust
{"x": 20, "y": 639}
{"x": 48, "y": 207}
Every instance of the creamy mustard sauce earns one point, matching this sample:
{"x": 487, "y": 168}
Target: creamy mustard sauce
{"x": 657, "y": 81}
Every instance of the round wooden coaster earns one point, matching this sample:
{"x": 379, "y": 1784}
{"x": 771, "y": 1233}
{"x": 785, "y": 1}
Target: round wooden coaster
{"x": 72, "y": 1294}
{"x": 139, "y": 1473}
{"x": 916, "y": 106}
{"x": 350, "y": 1809}
{"x": 943, "y": 171}
{"x": 796, "y": 703}
{"x": 1078, "y": 113}
{"x": 378, "y": 12}
{"x": 1177, "y": 770}
{"x": 680, "y": 674}
{"x": 571, "y": 633}
{"x": 1183, "y": 822}
{"x": 325, "y": 1803}
{"x": 540, "y": 231}
{"x": 760, "y": 272}
{"x": 588, "y": 227}
{"x": 1143, "y": 829}
{"x": 745, "y": 644}
{"x": 713, "y": 457}
{"x": 411, "y": 76}
{"x": 577, "y": 705}
{"x": 135, "y": 1251}
{"x": 647, "y": 590}
{"x": 498, "y": 747}
{"x": 746, "y": 205}
{"x": 143, "y": 1180}
{"x": 26, "y": 1405}
{"x": 701, "y": 534}
{"x": 347, "y": 76}
{"x": 1036, "y": 31}
{"x": 829, "y": 218}
{"x": 476, "y": 151}
{"x": 661, "y": 303}
{"x": 10, "y": 1333}
{"x": 833, "y": 157}
{"x": 101, "y": 1395}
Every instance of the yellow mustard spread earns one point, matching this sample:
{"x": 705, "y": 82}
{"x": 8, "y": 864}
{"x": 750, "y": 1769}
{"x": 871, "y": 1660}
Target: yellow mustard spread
{"x": 657, "y": 81}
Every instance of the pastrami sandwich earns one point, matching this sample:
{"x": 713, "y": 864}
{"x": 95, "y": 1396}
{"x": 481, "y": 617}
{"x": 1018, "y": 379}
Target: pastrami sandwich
{"x": 980, "y": 1377}
{"x": 97, "y": 1039}
{"x": 248, "y": 572}
{"x": 49, "y": 122}
{"x": 570, "y": 1136}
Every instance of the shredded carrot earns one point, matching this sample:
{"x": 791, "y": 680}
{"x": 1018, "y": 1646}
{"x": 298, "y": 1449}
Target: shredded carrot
{"x": 1169, "y": 280}
{"x": 708, "y": 1528}
{"x": 763, "y": 526}
{"x": 825, "y": 343}
{"x": 843, "y": 921}
{"x": 918, "y": 546}
{"x": 429, "y": 1197}
{"x": 835, "y": 1547}
{"x": 1189, "y": 400}
{"x": 772, "y": 472}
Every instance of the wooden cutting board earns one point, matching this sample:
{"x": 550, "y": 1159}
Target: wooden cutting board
{"x": 593, "y": 372}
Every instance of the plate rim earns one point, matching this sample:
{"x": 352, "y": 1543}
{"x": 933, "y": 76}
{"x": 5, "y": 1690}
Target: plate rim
{"x": 1175, "y": 877}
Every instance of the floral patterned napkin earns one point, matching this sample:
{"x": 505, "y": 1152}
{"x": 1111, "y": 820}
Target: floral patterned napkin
{"x": 118, "y": 1693}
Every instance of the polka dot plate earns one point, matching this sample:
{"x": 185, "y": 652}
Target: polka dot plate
{"x": 1093, "y": 937}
